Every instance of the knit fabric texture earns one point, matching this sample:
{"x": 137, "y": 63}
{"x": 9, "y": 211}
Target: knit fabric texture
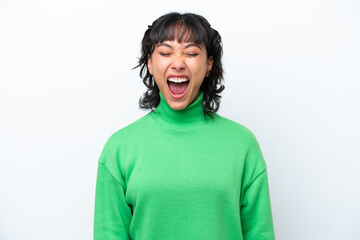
{"x": 178, "y": 175}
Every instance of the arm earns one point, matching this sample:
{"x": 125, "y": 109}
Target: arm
{"x": 112, "y": 213}
{"x": 255, "y": 209}
{"x": 256, "y": 217}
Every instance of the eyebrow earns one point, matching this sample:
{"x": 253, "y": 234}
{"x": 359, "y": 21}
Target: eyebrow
{"x": 193, "y": 45}
{"x": 187, "y": 46}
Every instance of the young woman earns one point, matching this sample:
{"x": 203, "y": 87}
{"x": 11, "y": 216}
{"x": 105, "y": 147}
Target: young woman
{"x": 182, "y": 172}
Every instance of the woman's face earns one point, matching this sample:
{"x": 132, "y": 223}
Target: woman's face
{"x": 179, "y": 70}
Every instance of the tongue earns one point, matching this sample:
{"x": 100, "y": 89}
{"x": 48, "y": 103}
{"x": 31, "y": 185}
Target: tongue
{"x": 178, "y": 88}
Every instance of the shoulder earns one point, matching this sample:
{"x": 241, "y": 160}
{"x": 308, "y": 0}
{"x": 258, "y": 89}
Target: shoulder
{"x": 254, "y": 160}
{"x": 243, "y": 139}
{"x": 234, "y": 129}
{"x": 131, "y": 131}
{"x": 114, "y": 150}
{"x": 127, "y": 135}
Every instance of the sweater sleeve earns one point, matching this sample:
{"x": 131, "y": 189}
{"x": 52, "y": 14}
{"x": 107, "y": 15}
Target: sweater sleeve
{"x": 255, "y": 209}
{"x": 256, "y": 217}
{"x": 112, "y": 213}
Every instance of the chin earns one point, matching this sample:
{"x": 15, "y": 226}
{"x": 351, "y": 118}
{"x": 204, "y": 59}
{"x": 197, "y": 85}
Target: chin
{"x": 178, "y": 105}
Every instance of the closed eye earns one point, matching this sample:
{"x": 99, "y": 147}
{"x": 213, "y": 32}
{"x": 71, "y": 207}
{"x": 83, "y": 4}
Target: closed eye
{"x": 192, "y": 54}
{"x": 164, "y": 54}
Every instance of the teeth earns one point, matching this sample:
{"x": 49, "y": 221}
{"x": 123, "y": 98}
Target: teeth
{"x": 178, "y": 80}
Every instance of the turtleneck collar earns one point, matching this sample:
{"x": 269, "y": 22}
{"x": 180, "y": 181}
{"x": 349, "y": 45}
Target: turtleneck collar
{"x": 192, "y": 115}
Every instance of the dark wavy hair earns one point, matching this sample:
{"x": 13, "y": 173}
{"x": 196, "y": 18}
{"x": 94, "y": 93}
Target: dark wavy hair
{"x": 186, "y": 27}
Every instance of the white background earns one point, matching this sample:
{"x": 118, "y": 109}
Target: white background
{"x": 66, "y": 84}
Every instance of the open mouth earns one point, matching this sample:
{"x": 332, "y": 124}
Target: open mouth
{"x": 178, "y": 86}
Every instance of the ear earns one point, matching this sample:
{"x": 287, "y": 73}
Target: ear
{"x": 149, "y": 65}
{"x": 210, "y": 62}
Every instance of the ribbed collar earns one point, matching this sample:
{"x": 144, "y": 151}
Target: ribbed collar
{"x": 190, "y": 116}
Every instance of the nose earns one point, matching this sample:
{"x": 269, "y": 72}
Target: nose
{"x": 178, "y": 63}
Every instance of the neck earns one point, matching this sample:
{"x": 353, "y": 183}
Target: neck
{"x": 192, "y": 115}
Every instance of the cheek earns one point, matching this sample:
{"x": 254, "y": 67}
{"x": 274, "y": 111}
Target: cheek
{"x": 158, "y": 83}
{"x": 159, "y": 67}
{"x": 199, "y": 68}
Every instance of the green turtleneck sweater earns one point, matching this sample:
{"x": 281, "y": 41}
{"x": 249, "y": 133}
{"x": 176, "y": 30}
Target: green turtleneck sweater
{"x": 176, "y": 175}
